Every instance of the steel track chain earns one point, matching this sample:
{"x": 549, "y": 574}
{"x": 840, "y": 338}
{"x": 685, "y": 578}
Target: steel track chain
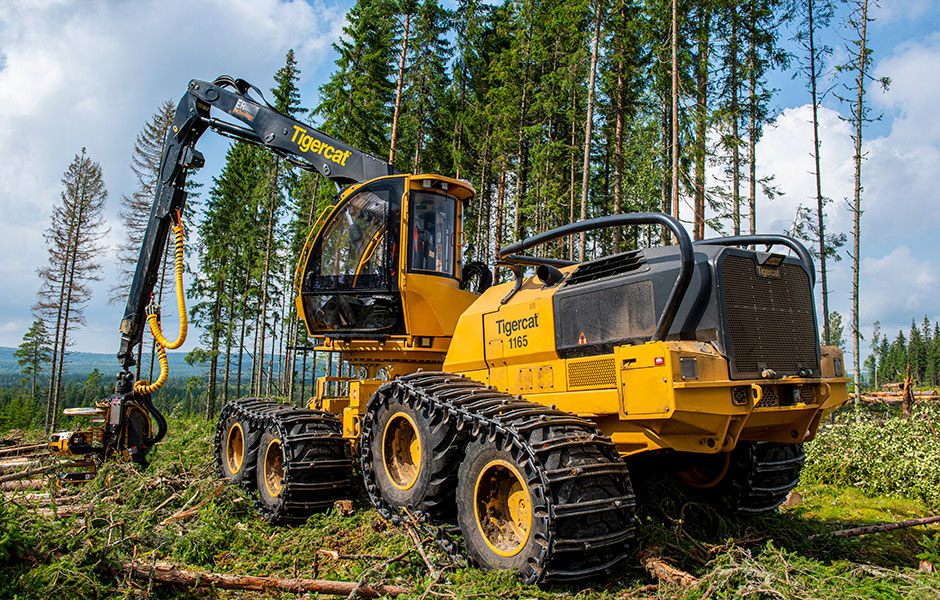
{"x": 770, "y": 471}
{"x": 317, "y": 462}
{"x": 541, "y": 436}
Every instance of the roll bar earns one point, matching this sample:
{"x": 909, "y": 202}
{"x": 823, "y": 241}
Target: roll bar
{"x": 507, "y": 256}
{"x": 768, "y": 240}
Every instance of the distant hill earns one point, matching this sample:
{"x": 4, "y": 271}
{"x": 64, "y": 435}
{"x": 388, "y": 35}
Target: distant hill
{"x": 82, "y": 363}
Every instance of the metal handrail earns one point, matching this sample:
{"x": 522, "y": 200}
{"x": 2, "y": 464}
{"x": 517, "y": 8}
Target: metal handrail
{"x": 686, "y": 262}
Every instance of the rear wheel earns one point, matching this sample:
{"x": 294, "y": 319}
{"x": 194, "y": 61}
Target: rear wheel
{"x": 270, "y": 470}
{"x": 237, "y": 434}
{"x": 302, "y": 465}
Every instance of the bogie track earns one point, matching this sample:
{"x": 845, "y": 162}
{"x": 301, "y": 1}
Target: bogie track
{"x": 295, "y": 460}
{"x": 753, "y": 479}
{"x": 578, "y": 489}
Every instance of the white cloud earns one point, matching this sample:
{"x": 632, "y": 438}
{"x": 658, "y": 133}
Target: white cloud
{"x": 900, "y": 200}
{"x": 90, "y": 73}
{"x": 898, "y": 286}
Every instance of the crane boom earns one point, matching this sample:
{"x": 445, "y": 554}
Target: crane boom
{"x": 297, "y": 142}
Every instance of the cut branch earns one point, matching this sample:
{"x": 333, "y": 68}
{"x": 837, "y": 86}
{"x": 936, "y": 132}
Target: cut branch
{"x": 878, "y": 528}
{"x": 665, "y": 572}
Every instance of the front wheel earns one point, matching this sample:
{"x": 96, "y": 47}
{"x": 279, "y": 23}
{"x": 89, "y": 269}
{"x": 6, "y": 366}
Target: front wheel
{"x": 503, "y": 517}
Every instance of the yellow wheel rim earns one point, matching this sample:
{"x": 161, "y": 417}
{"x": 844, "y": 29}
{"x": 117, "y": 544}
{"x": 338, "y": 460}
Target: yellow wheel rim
{"x": 503, "y": 508}
{"x": 273, "y": 468}
{"x": 707, "y": 476}
{"x": 401, "y": 451}
{"x": 235, "y": 448}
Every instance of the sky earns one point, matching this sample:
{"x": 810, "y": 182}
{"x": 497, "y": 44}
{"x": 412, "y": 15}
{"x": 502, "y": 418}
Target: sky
{"x": 90, "y": 73}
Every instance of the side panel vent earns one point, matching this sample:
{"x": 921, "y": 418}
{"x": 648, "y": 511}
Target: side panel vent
{"x": 606, "y": 267}
{"x": 596, "y": 373}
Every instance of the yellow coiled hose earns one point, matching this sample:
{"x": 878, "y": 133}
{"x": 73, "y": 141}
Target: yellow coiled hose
{"x": 153, "y": 318}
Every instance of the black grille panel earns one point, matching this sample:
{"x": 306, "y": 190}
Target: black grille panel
{"x": 607, "y": 267}
{"x": 771, "y": 321}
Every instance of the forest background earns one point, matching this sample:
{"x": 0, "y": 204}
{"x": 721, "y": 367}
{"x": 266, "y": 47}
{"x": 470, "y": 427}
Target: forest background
{"x": 499, "y": 95}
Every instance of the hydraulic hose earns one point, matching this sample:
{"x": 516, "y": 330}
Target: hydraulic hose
{"x": 153, "y": 318}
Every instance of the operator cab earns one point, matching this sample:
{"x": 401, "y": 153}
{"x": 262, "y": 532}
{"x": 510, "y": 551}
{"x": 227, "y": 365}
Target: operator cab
{"x": 357, "y": 282}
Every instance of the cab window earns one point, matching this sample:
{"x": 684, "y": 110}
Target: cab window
{"x": 433, "y": 221}
{"x": 361, "y": 248}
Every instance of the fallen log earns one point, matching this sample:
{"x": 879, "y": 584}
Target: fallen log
{"x": 24, "y": 474}
{"x": 8, "y": 466}
{"x": 169, "y": 573}
{"x": 21, "y": 449}
{"x": 64, "y": 511}
{"x": 877, "y": 528}
{"x": 29, "y": 484}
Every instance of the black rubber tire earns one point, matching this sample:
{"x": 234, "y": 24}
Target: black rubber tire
{"x": 433, "y": 490}
{"x": 239, "y": 471}
{"x": 758, "y": 478}
{"x": 569, "y": 540}
{"x": 247, "y": 412}
{"x": 272, "y": 502}
{"x": 317, "y": 468}
{"x": 479, "y": 455}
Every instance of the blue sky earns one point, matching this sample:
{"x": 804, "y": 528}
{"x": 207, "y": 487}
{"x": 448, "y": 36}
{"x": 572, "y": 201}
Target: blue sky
{"x": 90, "y": 73}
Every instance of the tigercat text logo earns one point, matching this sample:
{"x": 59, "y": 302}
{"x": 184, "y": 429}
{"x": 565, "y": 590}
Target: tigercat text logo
{"x": 767, "y": 272}
{"x": 308, "y": 143}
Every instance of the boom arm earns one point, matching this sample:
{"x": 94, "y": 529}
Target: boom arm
{"x": 297, "y": 142}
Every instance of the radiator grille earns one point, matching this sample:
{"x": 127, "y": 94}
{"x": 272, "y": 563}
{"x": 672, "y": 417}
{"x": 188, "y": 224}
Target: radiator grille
{"x": 771, "y": 321}
{"x": 592, "y": 373}
{"x": 608, "y": 266}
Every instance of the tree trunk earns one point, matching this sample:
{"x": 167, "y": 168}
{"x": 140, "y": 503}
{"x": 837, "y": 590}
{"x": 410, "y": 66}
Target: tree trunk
{"x": 69, "y": 287}
{"x": 701, "y": 120}
{"x": 752, "y": 119}
{"x": 735, "y": 133}
{"x": 574, "y": 141}
{"x": 588, "y": 127}
{"x": 675, "y": 111}
{"x": 266, "y": 271}
{"x": 398, "y": 89}
{"x": 857, "y": 205}
{"x": 619, "y": 117}
{"x": 241, "y": 338}
{"x": 214, "y": 351}
{"x": 819, "y": 196}
{"x": 500, "y": 199}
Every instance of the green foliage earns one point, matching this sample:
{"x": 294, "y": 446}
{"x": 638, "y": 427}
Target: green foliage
{"x": 880, "y": 455}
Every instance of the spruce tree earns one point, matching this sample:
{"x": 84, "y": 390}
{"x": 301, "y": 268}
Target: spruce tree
{"x": 135, "y": 212}
{"x": 74, "y": 245}
{"x": 33, "y": 353}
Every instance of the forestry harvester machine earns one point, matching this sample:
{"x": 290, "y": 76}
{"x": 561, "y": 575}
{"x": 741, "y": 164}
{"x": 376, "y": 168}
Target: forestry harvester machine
{"x": 512, "y": 410}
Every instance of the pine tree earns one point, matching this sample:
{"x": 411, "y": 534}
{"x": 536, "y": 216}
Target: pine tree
{"x": 356, "y": 101}
{"x": 135, "y": 211}
{"x": 33, "y": 353}
{"x": 73, "y": 241}
{"x": 836, "y": 338}
{"x": 875, "y": 344}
